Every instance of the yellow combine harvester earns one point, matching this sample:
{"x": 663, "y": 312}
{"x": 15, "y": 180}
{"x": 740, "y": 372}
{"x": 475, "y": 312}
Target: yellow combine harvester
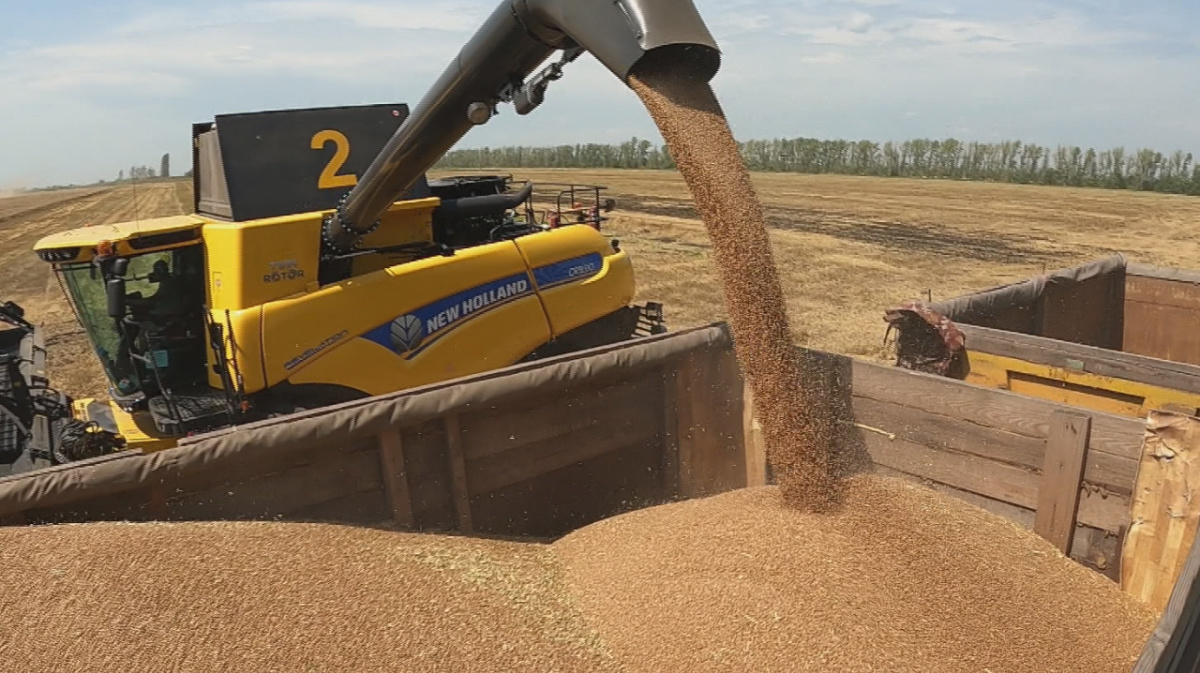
{"x": 322, "y": 266}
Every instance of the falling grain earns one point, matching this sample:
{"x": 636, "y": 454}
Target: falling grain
{"x": 791, "y": 403}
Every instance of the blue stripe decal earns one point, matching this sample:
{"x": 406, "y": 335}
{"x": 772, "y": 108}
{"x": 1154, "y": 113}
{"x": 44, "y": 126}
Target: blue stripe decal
{"x": 568, "y": 270}
{"x": 413, "y": 332}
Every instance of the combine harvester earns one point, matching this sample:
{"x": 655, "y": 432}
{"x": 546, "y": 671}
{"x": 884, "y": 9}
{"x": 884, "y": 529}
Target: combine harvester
{"x": 298, "y": 284}
{"x": 332, "y": 342}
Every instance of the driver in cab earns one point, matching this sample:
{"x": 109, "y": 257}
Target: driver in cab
{"x": 167, "y": 302}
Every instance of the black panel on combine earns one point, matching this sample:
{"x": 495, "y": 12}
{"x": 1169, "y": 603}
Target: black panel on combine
{"x": 290, "y": 161}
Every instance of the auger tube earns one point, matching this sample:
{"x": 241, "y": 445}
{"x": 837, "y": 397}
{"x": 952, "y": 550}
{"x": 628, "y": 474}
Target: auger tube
{"x": 493, "y": 67}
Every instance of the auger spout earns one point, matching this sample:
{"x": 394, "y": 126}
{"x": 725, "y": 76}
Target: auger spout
{"x": 496, "y": 66}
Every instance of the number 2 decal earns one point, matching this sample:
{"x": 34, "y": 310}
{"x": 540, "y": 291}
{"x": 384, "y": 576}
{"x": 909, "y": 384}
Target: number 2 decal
{"x": 329, "y": 176}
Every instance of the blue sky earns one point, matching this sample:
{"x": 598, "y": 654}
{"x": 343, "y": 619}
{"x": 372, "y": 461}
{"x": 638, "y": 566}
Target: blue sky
{"x": 88, "y": 88}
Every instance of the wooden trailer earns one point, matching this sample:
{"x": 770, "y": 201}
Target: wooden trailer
{"x": 540, "y": 449}
{"x": 1110, "y": 335}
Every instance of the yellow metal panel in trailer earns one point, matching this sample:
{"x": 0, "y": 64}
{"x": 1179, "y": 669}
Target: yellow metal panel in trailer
{"x": 1079, "y": 388}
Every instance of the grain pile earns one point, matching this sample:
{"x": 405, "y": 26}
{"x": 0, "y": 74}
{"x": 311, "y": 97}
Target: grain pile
{"x": 735, "y": 582}
{"x": 282, "y": 597}
{"x": 797, "y": 431}
{"x": 901, "y": 579}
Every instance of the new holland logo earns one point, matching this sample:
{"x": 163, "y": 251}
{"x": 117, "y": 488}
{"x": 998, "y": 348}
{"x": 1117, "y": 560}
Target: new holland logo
{"x": 407, "y": 333}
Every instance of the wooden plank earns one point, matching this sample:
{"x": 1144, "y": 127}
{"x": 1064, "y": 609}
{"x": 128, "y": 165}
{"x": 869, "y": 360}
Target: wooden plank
{"x": 395, "y": 477}
{"x": 157, "y": 505}
{"x": 756, "y": 451}
{"x": 718, "y": 462}
{"x": 1084, "y": 312}
{"x": 1164, "y": 332}
{"x": 458, "y": 473}
{"x": 998, "y": 481}
{"x": 430, "y": 485}
{"x": 1173, "y": 292}
{"x": 670, "y": 430}
{"x": 689, "y": 382}
{"x": 711, "y": 445}
{"x": 1165, "y": 510}
{"x": 1075, "y": 357}
{"x": 1115, "y": 473}
{"x": 1141, "y": 270}
{"x": 1062, "y": 474}
{"x": 530, "y": 462}
{"x": 985, "y": 406}
{"x": 324, "y": 477}
{"x": 540, "y": 418}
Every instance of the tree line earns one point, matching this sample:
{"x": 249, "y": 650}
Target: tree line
{"x": 1009, "y": 161}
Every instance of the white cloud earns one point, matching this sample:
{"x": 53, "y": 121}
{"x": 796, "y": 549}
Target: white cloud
{"x": 858, "y": 22}
{"x": 834, "y": 68}
{"x": 827, "y": 58}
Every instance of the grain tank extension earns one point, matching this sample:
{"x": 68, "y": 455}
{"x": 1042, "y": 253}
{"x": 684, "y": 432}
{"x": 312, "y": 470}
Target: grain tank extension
{"x": 322, "y": 265}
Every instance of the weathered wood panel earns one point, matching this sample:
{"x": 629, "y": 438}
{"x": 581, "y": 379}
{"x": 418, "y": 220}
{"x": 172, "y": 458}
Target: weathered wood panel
{"x": 1162, "y": 314}
{"x": 988, "y": 446}
{"x": 458, "y": 472}
{"x": 712, "y": 456}
{"x": 1114, "y": 473}
{"x": 427, "y": 461}
{"x": 325, "y": 477}
{"x": 556, "y": 502}
{"x": 1165, "y": 509}
{"x": 1062, "y": 473}
{"x": 395, "y": 477}
{"x": 987, "y": 407}
{"x": 998, "y": 481}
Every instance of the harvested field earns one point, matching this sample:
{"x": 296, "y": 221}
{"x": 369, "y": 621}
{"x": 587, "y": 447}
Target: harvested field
{"x": 28, "y": 281}
{"x": 846, "y": 247}
{"x": 735, "y": 582}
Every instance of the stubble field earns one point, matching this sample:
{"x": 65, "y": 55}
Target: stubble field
{"x": 847, "y": 247}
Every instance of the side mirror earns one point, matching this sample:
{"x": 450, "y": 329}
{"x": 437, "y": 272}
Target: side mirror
{"x": 609, "y": 205}
{"x": 114, "y": 289}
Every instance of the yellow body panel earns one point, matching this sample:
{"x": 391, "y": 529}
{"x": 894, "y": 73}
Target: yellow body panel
{"x": 250, "y": 264}
{"x": 1090, "y": 391}
{"x": 137, "y": 429}
{"x": 298, "y": 330}
{"x": 406, "y": 223}
{"x": 123, "y": 236}
{"x": 598, "y": 281}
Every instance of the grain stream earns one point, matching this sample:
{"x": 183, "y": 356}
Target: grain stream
{"x": 791, "y": 403}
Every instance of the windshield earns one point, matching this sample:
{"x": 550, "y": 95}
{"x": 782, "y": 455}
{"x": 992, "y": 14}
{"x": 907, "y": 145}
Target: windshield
{"x": 158, "y": 285}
